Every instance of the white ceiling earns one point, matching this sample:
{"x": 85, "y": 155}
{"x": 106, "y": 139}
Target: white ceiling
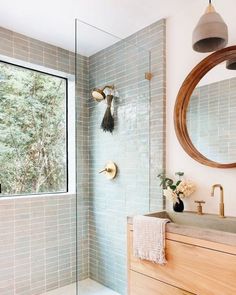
{"x": 52, "y": 21}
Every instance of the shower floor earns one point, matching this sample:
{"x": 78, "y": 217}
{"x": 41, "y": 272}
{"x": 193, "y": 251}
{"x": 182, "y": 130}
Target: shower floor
{"x": 86, "y": 287}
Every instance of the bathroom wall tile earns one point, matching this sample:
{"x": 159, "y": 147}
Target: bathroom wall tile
{"x": 35, "y": 256}
{"x": 137, "y": 145}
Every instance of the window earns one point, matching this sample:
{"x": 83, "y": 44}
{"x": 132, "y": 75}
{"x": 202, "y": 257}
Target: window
{"x": 33, "y": 131}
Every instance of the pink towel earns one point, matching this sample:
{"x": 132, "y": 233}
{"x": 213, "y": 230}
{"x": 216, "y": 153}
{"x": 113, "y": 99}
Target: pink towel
{"x": 149, "y": 238}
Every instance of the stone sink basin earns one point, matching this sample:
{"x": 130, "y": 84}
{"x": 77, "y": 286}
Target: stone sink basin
{"x": 209, "y": 221}
{"x": 206, "y": 227}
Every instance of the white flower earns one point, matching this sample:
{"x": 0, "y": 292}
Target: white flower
{"x": 170, "y": 194}
{"x": 185, "y": 188}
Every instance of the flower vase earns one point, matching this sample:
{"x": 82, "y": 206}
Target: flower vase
{"x": 179, "y": 205}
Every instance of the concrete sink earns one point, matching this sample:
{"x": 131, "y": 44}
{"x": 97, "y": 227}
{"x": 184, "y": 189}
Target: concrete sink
{"x": 206, "y": 221}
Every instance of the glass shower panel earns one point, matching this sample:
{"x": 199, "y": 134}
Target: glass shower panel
{"x": 103, "y": 59}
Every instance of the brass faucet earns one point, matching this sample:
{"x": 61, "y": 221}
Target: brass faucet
{"x": 221, "y": 205}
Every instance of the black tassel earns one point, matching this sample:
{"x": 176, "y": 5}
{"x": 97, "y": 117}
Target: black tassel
{"x": 108, "y": 121}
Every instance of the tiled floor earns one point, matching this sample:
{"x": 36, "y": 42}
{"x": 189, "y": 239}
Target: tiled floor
{"x": 86, "y": 287}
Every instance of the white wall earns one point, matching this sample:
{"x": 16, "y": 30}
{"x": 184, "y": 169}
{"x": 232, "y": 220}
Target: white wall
{"x": 217, "y": 74}
{"x": 180, "y": 60}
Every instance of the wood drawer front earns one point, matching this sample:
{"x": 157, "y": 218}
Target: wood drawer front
{"x": 195, "y": 269}
{"x": 143, "y": 285}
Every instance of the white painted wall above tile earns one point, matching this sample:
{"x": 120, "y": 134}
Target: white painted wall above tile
{"x": 53, "y": 21}
{"x": 180, "y": 60}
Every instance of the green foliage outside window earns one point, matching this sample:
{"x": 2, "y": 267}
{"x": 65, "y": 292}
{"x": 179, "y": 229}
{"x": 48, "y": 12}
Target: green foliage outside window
{"x": 32, "y": 131}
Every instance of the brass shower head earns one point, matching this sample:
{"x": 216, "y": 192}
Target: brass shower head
{"x": 98, "y": 94}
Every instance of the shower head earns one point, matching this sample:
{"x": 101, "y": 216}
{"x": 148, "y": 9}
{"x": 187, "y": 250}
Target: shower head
{"x": 98, "y": 94}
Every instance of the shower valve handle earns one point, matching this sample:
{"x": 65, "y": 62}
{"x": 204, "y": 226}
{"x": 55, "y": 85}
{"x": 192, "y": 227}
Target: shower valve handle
{"x": 105, "y": 170}
{"x": 110, "y": 170}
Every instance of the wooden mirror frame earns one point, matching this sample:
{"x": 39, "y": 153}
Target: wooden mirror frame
{"x": 182, "y": 102}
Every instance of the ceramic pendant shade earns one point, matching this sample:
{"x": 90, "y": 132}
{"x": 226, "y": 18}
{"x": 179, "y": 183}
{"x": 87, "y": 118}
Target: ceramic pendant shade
{"x": 211, "y": 32}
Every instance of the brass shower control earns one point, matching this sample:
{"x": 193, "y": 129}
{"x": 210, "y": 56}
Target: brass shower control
{"x": 110, "y": 170}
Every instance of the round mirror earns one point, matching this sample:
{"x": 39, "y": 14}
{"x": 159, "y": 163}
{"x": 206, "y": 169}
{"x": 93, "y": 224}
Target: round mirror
{"x": 205, "y": 111}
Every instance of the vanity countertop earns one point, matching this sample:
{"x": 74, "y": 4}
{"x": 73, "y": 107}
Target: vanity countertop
{"x": 204, "y": 227}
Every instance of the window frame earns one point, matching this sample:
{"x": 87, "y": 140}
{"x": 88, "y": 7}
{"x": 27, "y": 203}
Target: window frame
{"x": 69, "y": 132}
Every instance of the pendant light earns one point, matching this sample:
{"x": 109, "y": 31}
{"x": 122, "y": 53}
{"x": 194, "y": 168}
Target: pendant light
{"x": 211, "y": 32}
{"x": 231, "y": 64}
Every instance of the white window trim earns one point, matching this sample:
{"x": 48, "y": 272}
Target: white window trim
{"x": 71, "y": 149}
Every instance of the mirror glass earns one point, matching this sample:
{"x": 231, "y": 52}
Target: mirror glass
{"x": 211, "y": 115}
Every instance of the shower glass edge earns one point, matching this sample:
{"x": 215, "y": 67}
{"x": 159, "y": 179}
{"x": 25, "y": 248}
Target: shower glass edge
{"x": 103, "y": 59}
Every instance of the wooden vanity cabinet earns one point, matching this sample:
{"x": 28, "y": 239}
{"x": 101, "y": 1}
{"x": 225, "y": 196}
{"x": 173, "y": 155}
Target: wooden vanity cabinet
{"x": 143, "y": 285}
{"x": 194, "y": 267}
